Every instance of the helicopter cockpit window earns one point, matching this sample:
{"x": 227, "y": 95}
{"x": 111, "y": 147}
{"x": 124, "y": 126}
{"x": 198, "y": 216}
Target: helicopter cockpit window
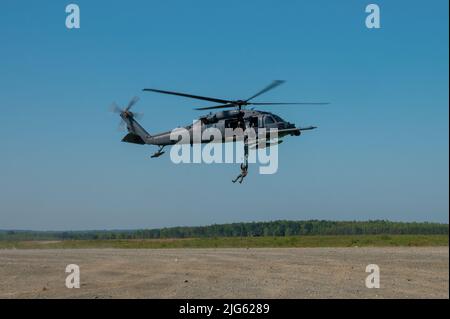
{"x": 269, "y": 120}
{"x": 277, "y": 118}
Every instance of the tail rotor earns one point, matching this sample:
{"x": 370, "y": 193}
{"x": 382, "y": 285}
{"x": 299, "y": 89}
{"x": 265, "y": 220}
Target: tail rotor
{"x": 125, "y": 113}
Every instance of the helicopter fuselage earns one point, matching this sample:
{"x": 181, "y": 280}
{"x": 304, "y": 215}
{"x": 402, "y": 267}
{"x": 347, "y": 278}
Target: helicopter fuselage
{"x": 222, "y": 121}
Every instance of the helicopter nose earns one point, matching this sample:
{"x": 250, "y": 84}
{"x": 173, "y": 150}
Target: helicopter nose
{"x": 292, "y": 125}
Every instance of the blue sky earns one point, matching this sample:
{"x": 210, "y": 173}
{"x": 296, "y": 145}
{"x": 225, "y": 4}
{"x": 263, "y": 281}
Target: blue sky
{"x": 381, "y": 150}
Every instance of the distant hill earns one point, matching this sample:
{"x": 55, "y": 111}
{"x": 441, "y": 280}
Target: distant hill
{"x": 252, "y": 229}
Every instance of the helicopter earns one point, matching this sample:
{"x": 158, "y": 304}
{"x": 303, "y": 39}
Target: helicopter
{"x": 236, "y": 116}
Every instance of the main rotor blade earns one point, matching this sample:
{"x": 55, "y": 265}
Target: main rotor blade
{"x": 271, "y": 86}
{"x": 131, "y": 103}
{"x": 223, "y": 106}
{"x": 301, "y": 103}
{"x": 198, "y": 97}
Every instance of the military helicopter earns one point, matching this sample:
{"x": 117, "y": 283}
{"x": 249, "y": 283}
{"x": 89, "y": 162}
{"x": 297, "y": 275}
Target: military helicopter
{"x": 237, "y": 117}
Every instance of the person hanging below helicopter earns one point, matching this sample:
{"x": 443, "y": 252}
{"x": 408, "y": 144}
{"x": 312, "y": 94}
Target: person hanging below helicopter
{"x": 244, "y": 172}
{"x": 244, "y": 166}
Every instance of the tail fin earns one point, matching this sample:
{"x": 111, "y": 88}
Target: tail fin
{"x": 136, "y": 133}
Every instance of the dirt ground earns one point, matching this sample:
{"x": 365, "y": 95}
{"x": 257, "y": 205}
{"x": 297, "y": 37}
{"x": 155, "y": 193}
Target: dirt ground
{"x": 226, "y": 273}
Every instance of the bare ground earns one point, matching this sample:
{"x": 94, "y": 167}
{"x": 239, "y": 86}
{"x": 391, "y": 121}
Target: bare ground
{"x": 226, "y": 273}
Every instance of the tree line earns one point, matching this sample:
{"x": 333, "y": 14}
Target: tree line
{"x": 272, "y": 228}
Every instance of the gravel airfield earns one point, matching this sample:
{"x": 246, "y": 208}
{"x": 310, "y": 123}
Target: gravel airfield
{"x": 405, "y": 272}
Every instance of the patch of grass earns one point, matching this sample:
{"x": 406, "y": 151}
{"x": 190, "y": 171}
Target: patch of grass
{"x": 241, "y": 242}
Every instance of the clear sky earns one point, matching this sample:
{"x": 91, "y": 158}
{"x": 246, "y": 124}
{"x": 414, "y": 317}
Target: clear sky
{"x": 381, "y": 150}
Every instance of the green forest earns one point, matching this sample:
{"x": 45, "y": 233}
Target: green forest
{"x": 283, "y": 228}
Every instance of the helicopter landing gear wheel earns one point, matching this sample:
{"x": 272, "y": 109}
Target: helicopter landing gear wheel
{"x": 159, "y": 152}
